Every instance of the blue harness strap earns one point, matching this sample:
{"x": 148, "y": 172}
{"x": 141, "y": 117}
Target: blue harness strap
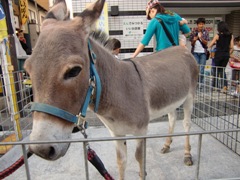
{"x": 94, "y": 84}
{"x": 54, "y": 111}
{"x": 94, "y": 75}
{"x": 87, "y": 101}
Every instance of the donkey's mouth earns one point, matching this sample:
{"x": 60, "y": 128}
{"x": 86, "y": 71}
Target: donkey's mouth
{"x": 50, "y": 152}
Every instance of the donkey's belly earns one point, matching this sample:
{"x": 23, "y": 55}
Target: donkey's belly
{"x": 156, "y": 113}
{"x": 122, "y": 128}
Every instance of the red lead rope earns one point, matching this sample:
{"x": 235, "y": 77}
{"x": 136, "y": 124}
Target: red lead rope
{"x": 13, "y": 167}
{"x": 92, "y": 157}
{"x": 97, "y": 163}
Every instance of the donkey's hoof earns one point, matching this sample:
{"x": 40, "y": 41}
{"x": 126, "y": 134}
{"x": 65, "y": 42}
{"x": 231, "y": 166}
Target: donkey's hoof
{"x": 165, "y": 150}
{"x": 188, "y": 161}
{"x": 141, "y": 175}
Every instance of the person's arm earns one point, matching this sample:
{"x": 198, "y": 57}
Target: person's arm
{"x": 183, "y": 21}
{"x": 185, "y": 29}
{"x": 231, "y": 45}
{"x": 183, "y": 25}
{"x": 195, "y": 38}
{"x": 138, "y": 50}
{"x": 191, "y": 36}
{"x": 204, "y": 38}
{"x": 147, "y": 37}
{"x": 200, "y": 37}
{"x": 213, "y": 41}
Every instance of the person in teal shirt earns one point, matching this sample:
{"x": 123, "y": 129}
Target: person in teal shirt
{"x": 170, "y": 19}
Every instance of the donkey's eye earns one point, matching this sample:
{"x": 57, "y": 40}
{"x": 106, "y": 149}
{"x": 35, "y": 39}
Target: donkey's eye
{"x": 72, "y": 72}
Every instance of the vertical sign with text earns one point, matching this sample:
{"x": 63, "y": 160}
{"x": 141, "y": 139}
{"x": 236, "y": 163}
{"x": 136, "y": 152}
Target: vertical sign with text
{"x": 132, "y": 28}
{"x": 102, "y": 22}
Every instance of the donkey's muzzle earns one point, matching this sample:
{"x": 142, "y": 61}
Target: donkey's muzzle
{"x": 49, "y": 151}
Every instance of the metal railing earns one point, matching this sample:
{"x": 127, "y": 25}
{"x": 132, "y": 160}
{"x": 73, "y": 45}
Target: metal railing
{"x": 144, "y": 138}
{"x": 217, "y": 108}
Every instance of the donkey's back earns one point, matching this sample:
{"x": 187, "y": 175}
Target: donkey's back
{"x": 169, "y": 78}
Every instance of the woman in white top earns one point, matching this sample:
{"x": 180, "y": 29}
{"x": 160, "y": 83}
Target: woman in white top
{"x": 236, "y": 49}
{"x": 234, "y": 74}
{"x": 236, "y": 55}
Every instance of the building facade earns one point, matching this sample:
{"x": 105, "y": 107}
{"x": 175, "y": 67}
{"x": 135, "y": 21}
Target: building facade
{"x": 37, "y": 10}
{"x": 127, "y": 20}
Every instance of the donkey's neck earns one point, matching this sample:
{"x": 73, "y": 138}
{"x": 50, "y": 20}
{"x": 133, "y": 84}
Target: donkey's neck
{"x": 117, "y": 77}
{"x": 106, "y": 63}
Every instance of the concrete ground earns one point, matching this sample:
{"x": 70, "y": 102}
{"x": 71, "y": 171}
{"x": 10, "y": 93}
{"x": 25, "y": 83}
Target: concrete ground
{"x": 217, "y": 161}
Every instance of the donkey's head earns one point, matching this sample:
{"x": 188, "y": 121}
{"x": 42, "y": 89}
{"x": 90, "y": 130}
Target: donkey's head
{"x": 59, "y": 70}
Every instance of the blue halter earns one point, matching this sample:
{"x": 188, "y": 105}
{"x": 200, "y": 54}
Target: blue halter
{"x": 94, "y": 85}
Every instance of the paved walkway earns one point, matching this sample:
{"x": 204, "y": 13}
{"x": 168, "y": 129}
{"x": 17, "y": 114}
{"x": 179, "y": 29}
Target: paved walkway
{"x": 217, "y": 161}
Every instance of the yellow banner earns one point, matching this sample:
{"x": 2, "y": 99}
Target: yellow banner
{"x": 7, "y": 69}
{"x": 102, "y": 22}
{"x": 3, "y": 25}
{"x": 23, "y": 11}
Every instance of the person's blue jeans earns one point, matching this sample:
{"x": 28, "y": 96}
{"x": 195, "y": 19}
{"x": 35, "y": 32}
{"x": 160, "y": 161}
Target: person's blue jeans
{"x": 201, "y": 59}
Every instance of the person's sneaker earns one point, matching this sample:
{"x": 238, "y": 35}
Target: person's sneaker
{"x": 224, "y": 89}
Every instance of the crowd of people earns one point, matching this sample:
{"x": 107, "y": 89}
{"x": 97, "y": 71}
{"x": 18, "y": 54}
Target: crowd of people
{"x": 166, "y": 27}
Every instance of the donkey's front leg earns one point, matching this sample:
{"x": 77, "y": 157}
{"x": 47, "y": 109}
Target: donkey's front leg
{"x": 121, "y": 150}
{"x": 139, "y": 155}
{"x": 172, "y": 121}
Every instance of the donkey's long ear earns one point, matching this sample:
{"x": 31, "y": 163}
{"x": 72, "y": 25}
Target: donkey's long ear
{"x": 90, "y": 15}
{"x": 58, "y": 11}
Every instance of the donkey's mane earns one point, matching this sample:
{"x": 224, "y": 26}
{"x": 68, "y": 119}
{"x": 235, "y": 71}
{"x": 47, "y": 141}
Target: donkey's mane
{"x": 102, "y": 38}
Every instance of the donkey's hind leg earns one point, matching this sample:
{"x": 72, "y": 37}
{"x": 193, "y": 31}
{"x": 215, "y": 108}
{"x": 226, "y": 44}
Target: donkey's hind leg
{"x": 139, "y": 154}
{"x": 172, "y": 120}
{"x": 187, "y": 108}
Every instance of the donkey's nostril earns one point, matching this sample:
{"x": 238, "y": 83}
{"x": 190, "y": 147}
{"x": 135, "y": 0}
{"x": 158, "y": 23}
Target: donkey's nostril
{"x": 51, "y": 152}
